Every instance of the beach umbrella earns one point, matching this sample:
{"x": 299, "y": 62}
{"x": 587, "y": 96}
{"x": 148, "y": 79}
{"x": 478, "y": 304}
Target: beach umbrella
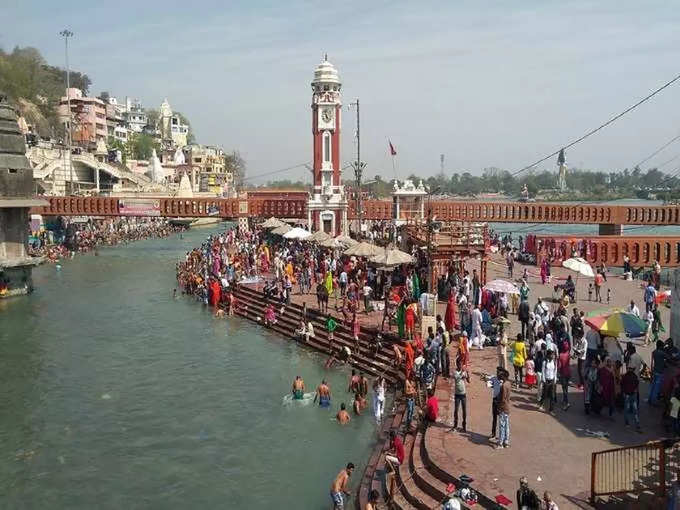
{"x": 272, "y": 223}
{"x": 346, "y": 240}
{"x": 579, "y": 265}
{"x": 363, "y": 249}
{"x": 297, "y": 233}
{"x": 616, "y": 322}
{"x": 503, "y": 286}
{"x": 282, "y": 229}
{"x": 391, "y": 258}
{"x": 319, "y": 237}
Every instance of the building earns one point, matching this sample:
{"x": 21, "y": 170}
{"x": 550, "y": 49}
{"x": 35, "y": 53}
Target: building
{"x": 88, "y": 118}
{"x": 171, "y": 127}
{"x": 135, "y": 116}
{"x": 327, "y": 206}
{"x": 116, "y": 126}
{"x": 209, "y": 170}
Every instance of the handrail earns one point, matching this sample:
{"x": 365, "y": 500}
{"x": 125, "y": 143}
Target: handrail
{"x": 634, "y": 469}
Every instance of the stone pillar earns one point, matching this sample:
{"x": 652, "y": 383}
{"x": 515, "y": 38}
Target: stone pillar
{"x": 96, "y": 179}
{"x": 610, "y": 229}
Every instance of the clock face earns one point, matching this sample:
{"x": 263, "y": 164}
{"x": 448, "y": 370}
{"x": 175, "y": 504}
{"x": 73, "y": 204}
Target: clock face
{"x": 327, "y": 114}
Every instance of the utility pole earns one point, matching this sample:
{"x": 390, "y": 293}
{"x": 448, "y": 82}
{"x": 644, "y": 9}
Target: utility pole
{"x": 66, "y": 34}
{"x": 358, "y": 167}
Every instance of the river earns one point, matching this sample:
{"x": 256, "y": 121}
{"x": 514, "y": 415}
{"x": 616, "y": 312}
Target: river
{"x": 115, "y": 395}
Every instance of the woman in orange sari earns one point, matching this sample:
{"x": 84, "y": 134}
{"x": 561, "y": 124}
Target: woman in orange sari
{"x": 463, "y": 349}
{"x": 451, "y": 317}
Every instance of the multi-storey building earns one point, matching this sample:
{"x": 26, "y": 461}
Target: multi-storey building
{"x": 209, "y": 170}
{"x": 87, "y": 118}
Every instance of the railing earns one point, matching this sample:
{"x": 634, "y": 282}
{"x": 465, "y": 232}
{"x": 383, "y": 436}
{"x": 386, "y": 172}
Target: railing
{"x": 632, "y": 470}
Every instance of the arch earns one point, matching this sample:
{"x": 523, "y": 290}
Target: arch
{"x": 635, "y": 254}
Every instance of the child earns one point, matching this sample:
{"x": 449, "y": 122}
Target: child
{"x": 609, "y": 295}
{"x": 675, "y": 407}
{"x": 590, "y": 292}
{"x": 331, "y": 326}
{"x": 530, "y": 375}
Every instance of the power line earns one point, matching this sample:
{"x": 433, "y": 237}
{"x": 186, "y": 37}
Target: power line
{"x": 602, "y": 126}
{"x": 281, "y": 170}
{"x": 657, "y": 151}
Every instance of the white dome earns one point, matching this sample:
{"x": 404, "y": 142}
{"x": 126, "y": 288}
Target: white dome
{"x": 326, "y": 73}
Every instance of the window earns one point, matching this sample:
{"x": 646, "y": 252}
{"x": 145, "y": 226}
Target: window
{"x": 326, "y": 146}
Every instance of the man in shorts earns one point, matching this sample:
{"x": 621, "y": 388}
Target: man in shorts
{"x": 339, "y": 487}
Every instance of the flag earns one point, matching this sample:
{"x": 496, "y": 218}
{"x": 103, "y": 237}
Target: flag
{"x": 392, "y": 151}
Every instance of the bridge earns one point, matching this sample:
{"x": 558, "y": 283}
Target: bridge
{"x": 294, "y": 205}
{"x": 608, "y": 247}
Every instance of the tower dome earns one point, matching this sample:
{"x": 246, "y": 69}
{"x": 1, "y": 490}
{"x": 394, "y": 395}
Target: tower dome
{"x": 326, "y": 77}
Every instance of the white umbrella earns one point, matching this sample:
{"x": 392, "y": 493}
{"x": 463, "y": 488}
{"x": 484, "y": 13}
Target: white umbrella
{"x": 272, "y": 223}
{"x": 346, "y": 240}
{"x": 319, "y": 237}
{"x": 503, "y": 286}
{"x": 391, "y": 258}
{"x": 282, "y": 229}
{"x": 579, "y": 265}
{"x": 297, "y": 233}
{"x": 363, "y": 249}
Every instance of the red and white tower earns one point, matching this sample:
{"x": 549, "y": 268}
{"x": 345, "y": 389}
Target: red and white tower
{"x": 327, "y": 206}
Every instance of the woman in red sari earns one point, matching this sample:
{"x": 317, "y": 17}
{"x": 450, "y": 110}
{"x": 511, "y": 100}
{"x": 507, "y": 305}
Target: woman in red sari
{"x": 451, "y": 317}
{"x": 215, "y": 293}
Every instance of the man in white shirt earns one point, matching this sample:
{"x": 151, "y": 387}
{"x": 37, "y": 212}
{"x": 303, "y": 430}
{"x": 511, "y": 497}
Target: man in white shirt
{"x": 593, "y": 342}
{"x": 549, "y": 378}
{"x": 632, "y": 308}
{"x": 495, "y": 384}
{"x": 634, "y": 359}
{"x": 580, "y": 350}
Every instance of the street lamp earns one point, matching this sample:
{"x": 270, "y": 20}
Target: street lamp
{"x": 66, "y": 34}
{"x": 430, "y": 273}
{"x": 358, "y": 166}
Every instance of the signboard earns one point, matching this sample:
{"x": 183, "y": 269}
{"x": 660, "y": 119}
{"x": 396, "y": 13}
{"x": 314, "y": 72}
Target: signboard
{"x": 139, "y": 207}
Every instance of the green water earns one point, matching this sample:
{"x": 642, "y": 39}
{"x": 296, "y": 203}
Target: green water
{"x": 114, "y": 395}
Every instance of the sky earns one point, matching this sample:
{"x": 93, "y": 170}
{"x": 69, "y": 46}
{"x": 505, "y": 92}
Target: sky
{"x": 484, "y": 83}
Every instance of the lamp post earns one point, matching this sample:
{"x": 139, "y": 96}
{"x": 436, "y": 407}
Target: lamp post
{"x": 66, "y": 34}
{"x": 430, "y": 267}
{"x": 358, "y": 167}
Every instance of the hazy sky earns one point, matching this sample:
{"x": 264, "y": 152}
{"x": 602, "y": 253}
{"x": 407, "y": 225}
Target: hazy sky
{"x": 485, "y": 83}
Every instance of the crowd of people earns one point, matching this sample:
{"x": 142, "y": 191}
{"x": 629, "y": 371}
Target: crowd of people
{"x": 67, "y": 237}
{"x": 553, "y": 351}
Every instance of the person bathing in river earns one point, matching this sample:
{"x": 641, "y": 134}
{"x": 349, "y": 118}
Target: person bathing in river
{"x": 298, "y": 388}
{"x": 343, "y": 415}
{"x": 353, "y": 386}
{"x": 323, "y": 394}
{"x": 359, "y": 403}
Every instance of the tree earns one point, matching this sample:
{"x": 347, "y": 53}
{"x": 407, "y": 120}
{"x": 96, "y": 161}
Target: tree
{"x": 237, "y": 166}
{"x": 152, "y": 116}
{"x": 115, "y": 144}
{"x": 141, "y": 145}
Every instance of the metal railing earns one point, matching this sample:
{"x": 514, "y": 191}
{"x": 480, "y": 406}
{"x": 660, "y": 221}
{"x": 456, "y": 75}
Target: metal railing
{"x": 633, "y": 470}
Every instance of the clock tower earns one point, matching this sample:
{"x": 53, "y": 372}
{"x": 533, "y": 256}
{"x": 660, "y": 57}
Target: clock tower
{"x": 327, "y": 206}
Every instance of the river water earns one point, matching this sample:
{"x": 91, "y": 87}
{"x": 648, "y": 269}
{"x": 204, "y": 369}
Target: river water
{"x": 115, "y": 395}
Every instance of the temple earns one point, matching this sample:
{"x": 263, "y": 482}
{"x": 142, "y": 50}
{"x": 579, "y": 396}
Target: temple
{"x": 16, "y": 199}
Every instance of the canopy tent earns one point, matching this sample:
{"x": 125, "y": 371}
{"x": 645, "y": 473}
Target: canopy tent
{"x": 319, "y": 237}
{"x": 282, "y": 229}
{"x": 297, "y": 233}
{"x": 331, "y": 243}
{"x": 579, "y": 266}
{"x": 363, "y": 249}
{"x": 391, "y": 258}
{"x": 272, "y": 223}
{"x": 503, "y": 286}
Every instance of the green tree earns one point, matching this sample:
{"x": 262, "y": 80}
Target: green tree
{"x": 237, "y": 165}
{"x": 141, "y": 145}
